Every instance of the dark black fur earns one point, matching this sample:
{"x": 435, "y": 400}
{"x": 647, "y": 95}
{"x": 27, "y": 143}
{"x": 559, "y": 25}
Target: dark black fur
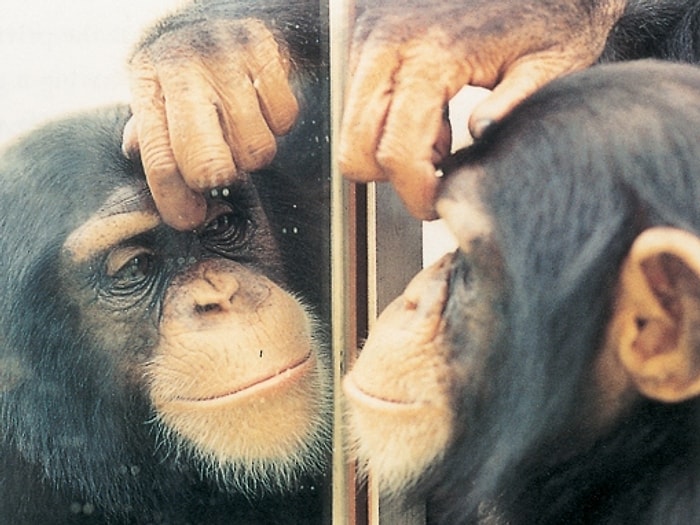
{"x": 664, "y": 29}
{"x": 572, "y": 176}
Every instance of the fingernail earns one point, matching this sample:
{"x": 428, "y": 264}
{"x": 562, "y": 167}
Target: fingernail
{"x": 480, "y": 127}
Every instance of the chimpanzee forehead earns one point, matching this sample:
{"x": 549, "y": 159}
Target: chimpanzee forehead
{"x": 127, "y": 212}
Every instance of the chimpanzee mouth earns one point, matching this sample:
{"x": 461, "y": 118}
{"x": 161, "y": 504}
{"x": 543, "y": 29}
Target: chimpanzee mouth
{"x": 286, "y": 377}
{"x": 360, "y": 396}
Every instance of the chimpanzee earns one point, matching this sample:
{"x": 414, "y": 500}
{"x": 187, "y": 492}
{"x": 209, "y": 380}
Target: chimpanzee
{"x": 149, "y": 375}
{"x": 548, "y": 370}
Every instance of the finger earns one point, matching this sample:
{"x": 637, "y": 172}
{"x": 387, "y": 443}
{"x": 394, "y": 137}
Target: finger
{"x": 416, "y": 133}
{"x": 149, "y": 122}
{"x": 245, "y": 128}
{"x": 130, "y": 139}
{"x": 179, "y": 206}
{"x": 269, "y": 69}
{"x": 277, "y": 101}
{"x": 202, "y": 155}
{"x": 368, "y": 99}
{"x": 519, "y": 82}
{"x": 417, "y": 188}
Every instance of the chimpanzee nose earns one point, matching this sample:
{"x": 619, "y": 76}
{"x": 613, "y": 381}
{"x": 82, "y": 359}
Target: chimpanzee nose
{"x": 215, "y": 293}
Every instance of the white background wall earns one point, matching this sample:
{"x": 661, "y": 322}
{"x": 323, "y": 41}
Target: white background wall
{"x": 58, "y": 56}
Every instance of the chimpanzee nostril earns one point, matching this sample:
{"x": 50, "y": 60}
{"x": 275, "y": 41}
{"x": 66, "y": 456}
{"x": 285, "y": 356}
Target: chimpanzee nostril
{"x": 215, "y": 293}
{"x": 207, "y": 308}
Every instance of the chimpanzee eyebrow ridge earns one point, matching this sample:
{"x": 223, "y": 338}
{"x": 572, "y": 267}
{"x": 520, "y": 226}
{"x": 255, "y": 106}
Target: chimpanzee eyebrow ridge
{"x": 127, "y": 213}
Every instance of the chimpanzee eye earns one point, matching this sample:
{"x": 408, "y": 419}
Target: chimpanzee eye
{"x": 226, "y": 233}
{"x": 129, "y": 267}
{"x": 136, "y": 269}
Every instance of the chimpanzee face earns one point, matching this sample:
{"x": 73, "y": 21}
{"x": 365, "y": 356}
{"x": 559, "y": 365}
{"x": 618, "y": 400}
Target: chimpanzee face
{"x": 139, "y": 362}
{"x": 201, "y": 322}
{"x": 569, "y": 305}
{"x": 428, "y": 352}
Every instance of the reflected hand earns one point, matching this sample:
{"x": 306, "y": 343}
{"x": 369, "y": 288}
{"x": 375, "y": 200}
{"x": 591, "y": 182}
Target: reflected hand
{"x": 208, "y": 100}
{"x": 408, "y": 62}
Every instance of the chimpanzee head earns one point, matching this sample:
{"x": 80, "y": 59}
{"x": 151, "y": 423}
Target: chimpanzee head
{"x": 134, "y": 357}
{"x": 547, "y": 371}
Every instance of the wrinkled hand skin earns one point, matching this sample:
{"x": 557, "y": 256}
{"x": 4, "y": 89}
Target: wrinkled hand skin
{"x": 208, "y": 101}
{"x": 409, "y": 59}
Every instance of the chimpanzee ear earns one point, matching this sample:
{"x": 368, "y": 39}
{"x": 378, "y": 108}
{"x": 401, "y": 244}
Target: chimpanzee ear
{"x": 657, "y": 314}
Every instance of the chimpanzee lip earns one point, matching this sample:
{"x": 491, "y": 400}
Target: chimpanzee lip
{"x": 291, "y": 374}
{"x": 358, "y": 394}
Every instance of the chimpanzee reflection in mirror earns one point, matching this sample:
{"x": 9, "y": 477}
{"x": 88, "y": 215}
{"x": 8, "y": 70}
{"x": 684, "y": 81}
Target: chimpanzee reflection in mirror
{"x": 547, "y": 372}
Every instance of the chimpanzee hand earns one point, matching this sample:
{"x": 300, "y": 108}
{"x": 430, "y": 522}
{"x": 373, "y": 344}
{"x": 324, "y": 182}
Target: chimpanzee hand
{"x": 408, "y": 61}
{"x": 208, "y": 100}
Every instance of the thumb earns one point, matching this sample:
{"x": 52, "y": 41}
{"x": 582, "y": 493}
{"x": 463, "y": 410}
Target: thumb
{"x": 520, "y": 82}
{"x": 130, "y": 139}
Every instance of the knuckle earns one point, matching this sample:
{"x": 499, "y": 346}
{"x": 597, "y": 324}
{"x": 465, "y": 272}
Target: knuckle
{"x": 210, "y": 168}
{"x": 392, "y": 155}
{"x": 254, "y": 31}
{"x": 283, "y": 118}
{"x": 142, "y": 75}
{"x": 158, "y": 162}
{"x": 257, "y": 154}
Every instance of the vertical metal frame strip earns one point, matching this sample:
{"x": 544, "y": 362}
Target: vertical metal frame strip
{"x": 343, "y": 266}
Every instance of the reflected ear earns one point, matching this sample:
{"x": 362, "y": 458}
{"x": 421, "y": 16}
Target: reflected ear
{"x": 657, "y": 314}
